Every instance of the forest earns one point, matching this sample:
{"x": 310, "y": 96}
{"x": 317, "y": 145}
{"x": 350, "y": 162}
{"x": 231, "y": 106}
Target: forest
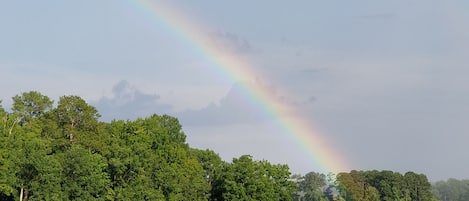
{"x": 63, "y": 152}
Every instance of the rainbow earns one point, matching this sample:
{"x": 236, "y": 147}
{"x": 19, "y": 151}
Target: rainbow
{"x": 187, "y": 29}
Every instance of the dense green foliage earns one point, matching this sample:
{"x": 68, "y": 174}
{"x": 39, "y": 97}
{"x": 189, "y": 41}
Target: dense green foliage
{"x": 452, "y": 190}
{"x": 311, "y": 187}
{"x": 383, "y": 185}
{"x": 66, "y": 153}
{"x": 246, "y": 179}
{"x": 376, "y": 186}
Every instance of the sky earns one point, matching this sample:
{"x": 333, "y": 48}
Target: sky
{"x": 385, "y": 82}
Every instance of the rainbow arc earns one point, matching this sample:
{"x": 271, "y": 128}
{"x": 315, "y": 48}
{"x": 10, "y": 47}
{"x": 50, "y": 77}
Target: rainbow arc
{"x": 293, "y": 124}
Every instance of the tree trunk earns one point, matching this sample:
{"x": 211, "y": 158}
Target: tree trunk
{"x": 25, "y": 195}
{"x": 12, "y": 126}
{"x": 71, "y": 132}
{"x": 21, "y": 194}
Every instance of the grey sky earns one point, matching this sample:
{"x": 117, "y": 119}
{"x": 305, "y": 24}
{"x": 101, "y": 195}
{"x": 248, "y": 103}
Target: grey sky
{"x": 386, "y": 81}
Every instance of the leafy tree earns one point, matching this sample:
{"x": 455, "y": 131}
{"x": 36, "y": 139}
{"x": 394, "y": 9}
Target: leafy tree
{"x": 29, "y": 168}
{"x": 65, "y": 153}
{"x": 74, "y": 115}
{"x": 130, "y": 161}
{"x": 390, "y": 184}
{"x": 383, "y": 185}
{"x": 246, "y": 179}
{"x": 451, "y": 190}
{"x": 160, "y": 161}
{"x": 418, "y": 186}
{"x": 84, "y": 176}
{"x": 350, "y": 188}
{"x": 30, "y": 105}
{"x": 312, "y": 180}
{"x": 2, "y": 110}
{"x": 39, "y": 177}
{"x": 213, "y": 166}
{"x": 310, "y": 187}
{"x": 279, "y": 175}
{"x": 179, "y": 176}
{"x": 7, "y": 179}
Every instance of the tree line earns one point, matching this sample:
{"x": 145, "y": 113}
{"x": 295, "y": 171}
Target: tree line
{"x": 64, "y": 152}
{"x": 364, "y": 186}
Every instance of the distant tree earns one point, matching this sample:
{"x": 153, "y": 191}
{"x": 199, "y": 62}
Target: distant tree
{"x": 312, "y": 180}
{"x": 451, "y": 190}
{"x": 350, "y": 188}
{"x": 310, "y": 187}
{"x": 383, "y": 185}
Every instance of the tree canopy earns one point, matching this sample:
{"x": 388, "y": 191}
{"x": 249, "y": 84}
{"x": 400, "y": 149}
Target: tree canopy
{"x": 383, "y": 185}
{"x": 66, "y": 153}
{"x": 451, "y": 190}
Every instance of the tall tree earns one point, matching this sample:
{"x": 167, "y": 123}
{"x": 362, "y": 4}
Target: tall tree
{"x": 177, "y": 174}
{"x": 7, "y": 178}
{"x": 418, "y": 186}
{"x": 75, "y": 117}
{"x": 30, "y": 105}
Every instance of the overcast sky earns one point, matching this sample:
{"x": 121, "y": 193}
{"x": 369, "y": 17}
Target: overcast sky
{"x": 386, "y": 81}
